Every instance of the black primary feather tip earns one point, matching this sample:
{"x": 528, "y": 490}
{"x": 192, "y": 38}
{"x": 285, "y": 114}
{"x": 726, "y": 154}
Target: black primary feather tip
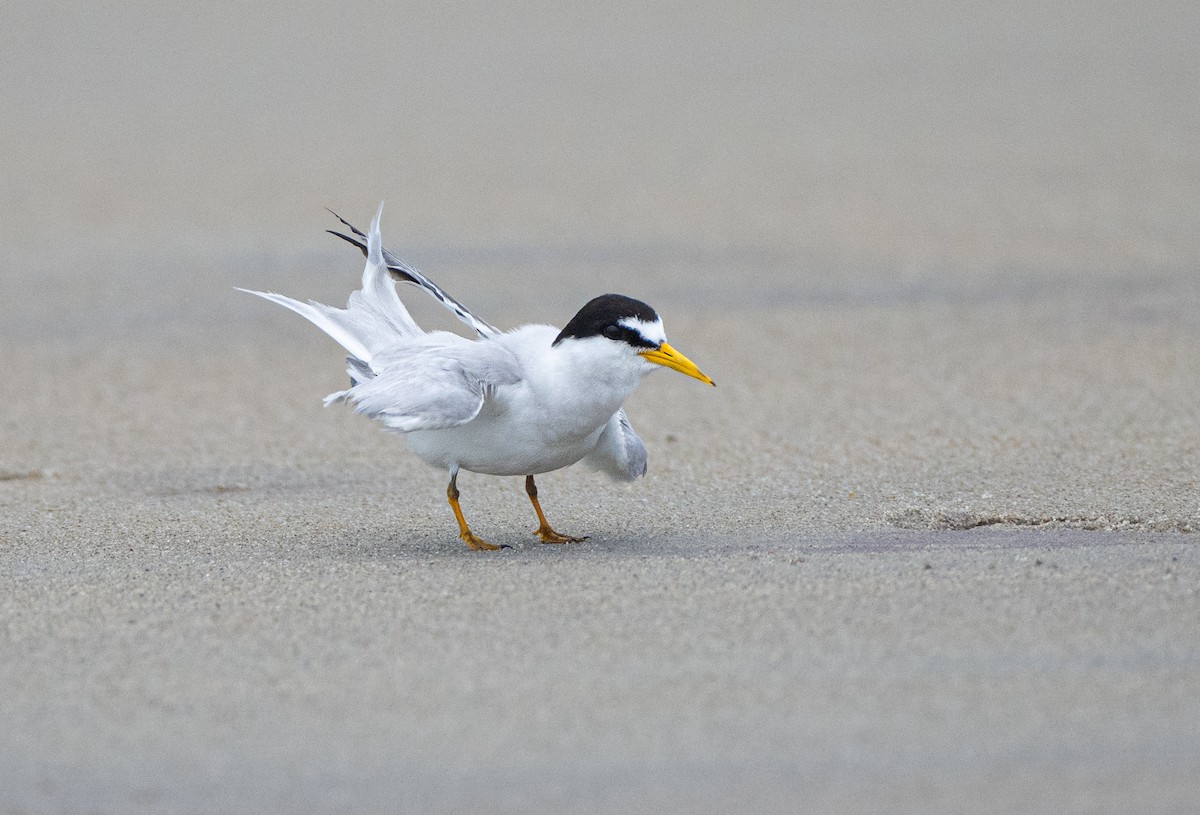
{"x": 360, "y": 241}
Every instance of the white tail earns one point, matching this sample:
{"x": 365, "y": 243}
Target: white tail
{"x": 373, "y": 317}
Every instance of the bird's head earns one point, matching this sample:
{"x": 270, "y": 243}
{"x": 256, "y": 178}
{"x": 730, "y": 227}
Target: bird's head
{"x": 624, "y": 327}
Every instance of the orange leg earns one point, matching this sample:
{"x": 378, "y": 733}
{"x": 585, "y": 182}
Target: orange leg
{"x": 464, "y": 531}
{"x": 544, "y": 532}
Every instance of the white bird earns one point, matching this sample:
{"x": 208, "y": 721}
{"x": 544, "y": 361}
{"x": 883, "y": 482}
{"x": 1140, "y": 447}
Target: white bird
{"x": 522, "y": 402}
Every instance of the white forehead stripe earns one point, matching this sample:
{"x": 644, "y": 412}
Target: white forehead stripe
{"x": 653, "y": 332}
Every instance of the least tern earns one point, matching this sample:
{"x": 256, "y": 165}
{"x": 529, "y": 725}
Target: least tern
{"x": 521, "y": 402}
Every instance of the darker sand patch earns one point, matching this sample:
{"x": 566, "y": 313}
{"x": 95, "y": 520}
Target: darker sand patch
{"x": 29, "y": 475}
{"x": 959, "y": 520}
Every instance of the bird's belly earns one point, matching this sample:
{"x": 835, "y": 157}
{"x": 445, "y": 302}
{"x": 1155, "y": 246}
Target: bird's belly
{"x": 493, "y": 446}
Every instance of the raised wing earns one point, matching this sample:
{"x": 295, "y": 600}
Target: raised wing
{"x": 374, "y": 318}
{"x": 407, "y": 274}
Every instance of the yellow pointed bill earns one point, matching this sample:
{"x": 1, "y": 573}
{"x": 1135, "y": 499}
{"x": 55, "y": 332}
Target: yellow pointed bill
{"x": 667, "y": 356}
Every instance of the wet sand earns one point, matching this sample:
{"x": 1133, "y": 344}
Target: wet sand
{"x": 930, "y": 546}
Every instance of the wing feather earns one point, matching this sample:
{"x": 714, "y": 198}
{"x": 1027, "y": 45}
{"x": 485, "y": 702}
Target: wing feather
{"x": 619, "y": 452}
{"x": 373, "y": 319}
{"x": 431, "y": 383}
{"x": 403, "y": 272}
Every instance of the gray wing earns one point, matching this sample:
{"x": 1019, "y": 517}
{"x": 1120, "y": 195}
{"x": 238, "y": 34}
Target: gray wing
{"x": 437, "y": 382}
{"x": 619, "y": 452}
{"x": 407, "y": 274}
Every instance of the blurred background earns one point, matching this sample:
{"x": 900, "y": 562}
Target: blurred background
{"x": 965, "y": 237}
{"x": 917, "y": 139}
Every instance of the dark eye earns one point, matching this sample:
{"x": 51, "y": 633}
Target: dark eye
{"x": 613, "y": 332}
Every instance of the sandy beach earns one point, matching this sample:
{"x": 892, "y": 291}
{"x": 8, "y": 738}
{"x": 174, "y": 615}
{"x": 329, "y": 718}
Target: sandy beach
{"x": 930, "y": 545}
